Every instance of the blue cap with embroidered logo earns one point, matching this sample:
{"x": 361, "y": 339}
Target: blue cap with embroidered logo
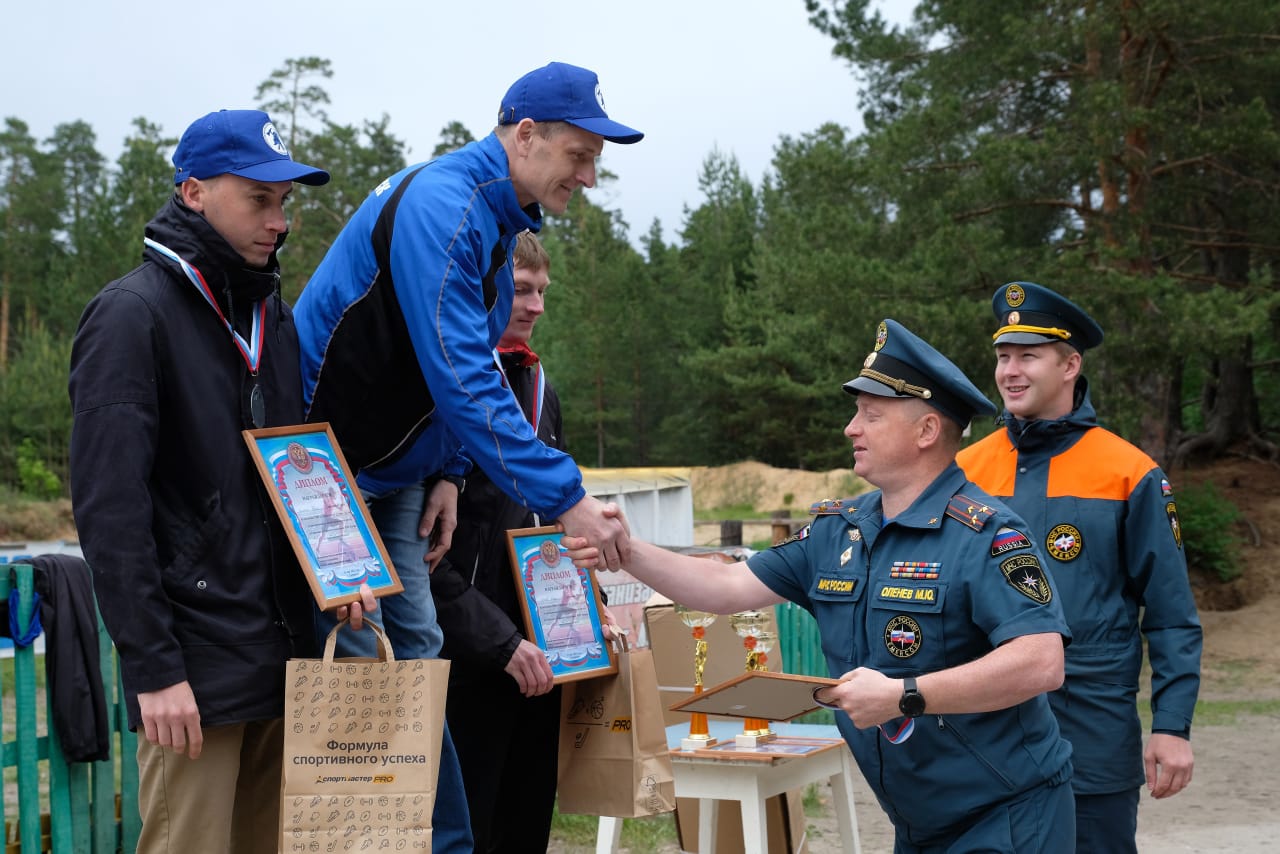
{"x": 559, "y": 92}
{"x": 904, "y": 365}
{"x": 1032, "y": 314}
{"x": 239, "y": 142}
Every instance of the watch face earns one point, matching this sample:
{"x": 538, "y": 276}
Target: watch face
{"x": 912, "y": 704}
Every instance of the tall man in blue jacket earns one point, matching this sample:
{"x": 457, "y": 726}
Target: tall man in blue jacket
{"x": 1105, "y": 514}
{"x": 398, "y": 328}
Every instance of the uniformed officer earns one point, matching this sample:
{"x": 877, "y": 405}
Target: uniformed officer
{"x": 1105, "y": 514}
{"x": 934, "y": 610}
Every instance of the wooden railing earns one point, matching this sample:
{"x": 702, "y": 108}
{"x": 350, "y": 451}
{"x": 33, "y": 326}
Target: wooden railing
{"x": 88, "y": 808}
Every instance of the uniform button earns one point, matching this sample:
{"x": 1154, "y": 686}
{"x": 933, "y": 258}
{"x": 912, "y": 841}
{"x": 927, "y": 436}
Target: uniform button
{"x": 1022, "y": 470}
{"x": 201, "y": 584}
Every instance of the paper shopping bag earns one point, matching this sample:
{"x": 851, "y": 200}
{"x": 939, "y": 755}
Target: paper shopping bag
{"x": 613, "y": 748}
{"x": 361, "y": 751}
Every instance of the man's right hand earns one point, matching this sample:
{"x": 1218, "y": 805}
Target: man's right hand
{"x": 603, "y": 526}
{"x": 171, "y": 719}
{"x": 529, "y": 667}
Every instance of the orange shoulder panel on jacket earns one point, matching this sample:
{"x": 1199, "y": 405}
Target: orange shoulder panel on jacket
{"x": 1100, "y": 465}
{"x": 991, "y": 463}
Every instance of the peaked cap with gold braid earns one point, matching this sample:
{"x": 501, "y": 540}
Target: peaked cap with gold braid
{"x": 1031, "y": 314}
{"x": 904, "y": 365}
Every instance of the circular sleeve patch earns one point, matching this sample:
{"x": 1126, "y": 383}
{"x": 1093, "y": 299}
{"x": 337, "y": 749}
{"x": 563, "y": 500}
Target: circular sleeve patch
{"x": 1064, "y": 542}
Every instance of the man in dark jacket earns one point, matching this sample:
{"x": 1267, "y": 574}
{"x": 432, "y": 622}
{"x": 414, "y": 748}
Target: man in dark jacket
{"x": 195, "y": 578}
{"x": 503, "y": 711}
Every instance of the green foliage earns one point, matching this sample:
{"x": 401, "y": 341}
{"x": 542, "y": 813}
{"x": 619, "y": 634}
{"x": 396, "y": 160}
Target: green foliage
{"x": 1125, "y": 154}
{"x": 34, "y": 407}
{"x": 1210, "y": 531}
{"x": 34, "y": 476}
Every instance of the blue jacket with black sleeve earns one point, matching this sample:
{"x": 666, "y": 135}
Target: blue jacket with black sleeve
{"x": 398, "y": 325}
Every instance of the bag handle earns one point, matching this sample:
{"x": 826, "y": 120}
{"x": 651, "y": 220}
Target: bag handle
{"x": 620, "y": 641}
{"x": 385, "y": 653}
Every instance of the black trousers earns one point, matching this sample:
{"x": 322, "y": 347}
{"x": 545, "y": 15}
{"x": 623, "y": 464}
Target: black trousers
{"x": 507, "y": 745}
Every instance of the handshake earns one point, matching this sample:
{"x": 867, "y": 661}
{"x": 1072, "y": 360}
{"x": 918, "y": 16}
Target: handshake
{"x": 596, "y": 535}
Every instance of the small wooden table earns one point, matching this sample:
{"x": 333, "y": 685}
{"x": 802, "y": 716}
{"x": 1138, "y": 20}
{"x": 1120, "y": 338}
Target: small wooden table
{"x": 802, "y": 754}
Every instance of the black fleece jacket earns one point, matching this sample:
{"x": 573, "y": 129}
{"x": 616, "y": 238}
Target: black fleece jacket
{"x": 194, "y": 576}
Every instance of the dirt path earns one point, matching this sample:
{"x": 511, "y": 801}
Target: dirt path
{"x": 1230, "y": 805}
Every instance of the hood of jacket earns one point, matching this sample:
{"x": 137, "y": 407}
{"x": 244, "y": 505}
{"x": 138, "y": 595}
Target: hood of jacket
{"x": 1036, "y": 434}
{"x": 189, "y": 235}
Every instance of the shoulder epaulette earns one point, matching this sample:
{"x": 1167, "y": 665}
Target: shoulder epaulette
{"x": 971, "y": 512}
{"x": 831, "y": 506}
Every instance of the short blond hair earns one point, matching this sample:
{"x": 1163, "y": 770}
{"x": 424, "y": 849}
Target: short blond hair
{"x": 530, "y": 253}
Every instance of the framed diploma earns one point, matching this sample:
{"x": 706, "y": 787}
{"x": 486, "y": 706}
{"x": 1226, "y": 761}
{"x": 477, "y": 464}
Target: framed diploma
{"x": 758, "y": 694}
{"x": 322, "y": 511}
{"x": 561, "y": 605}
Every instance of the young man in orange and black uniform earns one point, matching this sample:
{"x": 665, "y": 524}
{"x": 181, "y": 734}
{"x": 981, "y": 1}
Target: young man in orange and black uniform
{"x": 1105, "y": 514}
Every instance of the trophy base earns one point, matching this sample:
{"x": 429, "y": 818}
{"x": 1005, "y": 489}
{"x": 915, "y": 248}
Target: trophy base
{"x": 697, "y": 743}
{"x": 755, "y": 738}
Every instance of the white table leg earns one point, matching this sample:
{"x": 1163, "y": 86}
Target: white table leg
{"x": 842, "y": 795}
{"x": 755, "y": 833}
{"x": 608, "y": 834}
{"x": 708, "y": 816}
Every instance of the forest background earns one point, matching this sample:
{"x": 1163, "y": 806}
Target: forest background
{"x": 1124, "y": 152}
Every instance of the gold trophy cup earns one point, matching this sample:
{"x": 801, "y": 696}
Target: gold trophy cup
{"x": 758, "y": 641}
{"x": 699, "y": 735}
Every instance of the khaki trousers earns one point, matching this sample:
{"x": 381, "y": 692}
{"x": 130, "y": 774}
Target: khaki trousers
{"x": 225, "y": 802}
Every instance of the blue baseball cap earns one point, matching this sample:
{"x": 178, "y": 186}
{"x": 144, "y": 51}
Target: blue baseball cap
{"x": 559, "y": 92}
{"x": 1031, "y": 314}
{"x": 239, "y": 142}
{"x": 904, "y": 365}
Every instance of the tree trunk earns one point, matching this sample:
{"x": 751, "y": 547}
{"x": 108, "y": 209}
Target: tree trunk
{"x": 1227, "y": 404}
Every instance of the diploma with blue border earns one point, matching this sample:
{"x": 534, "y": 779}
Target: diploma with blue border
{"x": 322, "y": 512}
{"x": 560, "y": 604}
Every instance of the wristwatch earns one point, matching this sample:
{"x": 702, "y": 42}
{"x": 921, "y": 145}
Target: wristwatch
{"x": 912, "y": 702}
{"x": 457, "y": 480}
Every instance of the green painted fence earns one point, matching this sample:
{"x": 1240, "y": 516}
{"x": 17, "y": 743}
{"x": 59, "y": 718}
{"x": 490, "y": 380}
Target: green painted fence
{"x": 92, "y": 807}
{"x": 801, "y": 648}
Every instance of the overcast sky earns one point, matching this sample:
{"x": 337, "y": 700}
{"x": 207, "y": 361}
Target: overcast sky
{"x": 693, "y": 75}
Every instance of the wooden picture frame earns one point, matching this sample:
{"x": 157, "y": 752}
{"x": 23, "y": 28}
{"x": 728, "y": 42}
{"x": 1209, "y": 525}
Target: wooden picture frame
{"x": 560, "y": 604}
{"x": 758, "y": 694}
{"x": 322, "y": 512}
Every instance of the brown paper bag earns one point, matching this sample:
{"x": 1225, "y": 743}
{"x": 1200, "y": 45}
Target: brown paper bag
{"x": 613, "y": 748}
{"x": 361, "y": 751}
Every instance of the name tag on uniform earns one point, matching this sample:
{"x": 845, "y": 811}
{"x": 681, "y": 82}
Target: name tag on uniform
{"x": 827, "y": 584}
{"x": 892, "y": 593}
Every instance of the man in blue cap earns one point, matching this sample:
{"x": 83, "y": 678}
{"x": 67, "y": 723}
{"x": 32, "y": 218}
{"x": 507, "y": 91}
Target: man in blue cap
{"x": 1105, "y": 514}
{"x": 195, "y": 577}
{"x": 935, "y": 614}
{"x": 398, "y": 328}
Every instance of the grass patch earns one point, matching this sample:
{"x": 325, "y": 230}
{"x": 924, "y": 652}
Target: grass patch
{"x": 1220, "y": 712}
{"x": 814, "y": 805}
{"x": 638, "y": 834}
{"x": 731, "y": 512}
